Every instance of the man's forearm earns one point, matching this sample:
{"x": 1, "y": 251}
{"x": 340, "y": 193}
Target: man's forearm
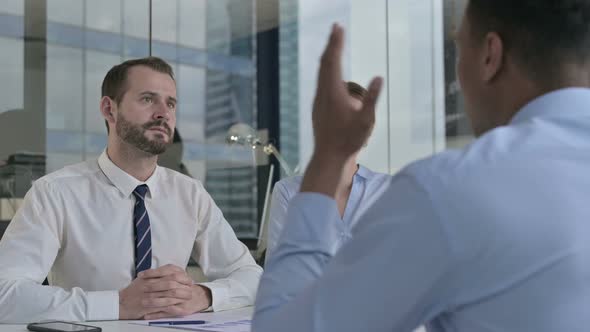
{"x": 309, "y": 241}
{"x": 23, "y": 301}
{"x": 237, "y": 290}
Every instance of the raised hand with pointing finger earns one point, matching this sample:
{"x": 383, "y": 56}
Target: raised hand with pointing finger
{"x": 341, "y": 126}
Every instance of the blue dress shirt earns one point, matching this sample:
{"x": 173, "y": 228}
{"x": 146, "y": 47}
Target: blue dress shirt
{"x": 494, "y": 237}
{"x": 366, "y": 186}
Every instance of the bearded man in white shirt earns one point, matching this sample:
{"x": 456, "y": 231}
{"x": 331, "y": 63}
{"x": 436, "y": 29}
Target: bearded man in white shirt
{"x": 115, "y": 235}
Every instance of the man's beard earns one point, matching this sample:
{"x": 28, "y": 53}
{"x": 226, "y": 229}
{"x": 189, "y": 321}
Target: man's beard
{"x": 135, "y": 135}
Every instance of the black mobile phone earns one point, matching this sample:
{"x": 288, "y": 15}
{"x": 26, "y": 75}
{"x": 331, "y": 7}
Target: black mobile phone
{"x": 61, "y": 327}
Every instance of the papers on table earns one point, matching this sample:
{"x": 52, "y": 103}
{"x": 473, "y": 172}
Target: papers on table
{"x": 238, "y": 320}
{"x": 233, "y": 326}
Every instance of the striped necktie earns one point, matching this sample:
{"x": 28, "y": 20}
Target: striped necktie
{"x": 143, "y": 235}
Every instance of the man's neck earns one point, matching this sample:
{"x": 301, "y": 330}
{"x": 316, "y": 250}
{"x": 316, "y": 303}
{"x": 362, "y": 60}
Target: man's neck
{"x": 347, "y": 177}
{"x": 137, "y": 163}
{"x": 345, "y": 187}
{"x": 570, "y": 75}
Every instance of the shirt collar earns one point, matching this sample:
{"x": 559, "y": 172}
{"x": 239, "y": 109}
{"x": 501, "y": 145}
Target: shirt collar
{"x": 364, "y": 173}
{"x": 122, "y": 180}
{"x": 563, "y": 102}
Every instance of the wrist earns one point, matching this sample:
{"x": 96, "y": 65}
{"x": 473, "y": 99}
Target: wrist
{"x": 122, "y": 313}
{"x": 204, "y": 293}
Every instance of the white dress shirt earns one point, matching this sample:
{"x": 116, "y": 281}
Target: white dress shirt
{"x": 76, "y": 226}
{"x": 495, "y": 237}
{"x": 366, "y": 187}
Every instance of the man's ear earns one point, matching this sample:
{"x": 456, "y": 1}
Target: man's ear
{"x": 493, "y": 56}
{"x": 107, "y": 108}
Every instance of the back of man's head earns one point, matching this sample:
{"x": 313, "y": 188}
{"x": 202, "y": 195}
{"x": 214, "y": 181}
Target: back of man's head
{"x": 541, "y": 35}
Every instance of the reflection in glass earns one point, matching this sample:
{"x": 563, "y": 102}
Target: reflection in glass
{"x": 458, "y": 130}
{"x": 66, "y": 11}
{"x": 64, "y": 101}
{"x": 104, "y": 15}
{"x": 230, "y": 99}
{"x": 211, "y": 45}
{"x": 244, "y": 135}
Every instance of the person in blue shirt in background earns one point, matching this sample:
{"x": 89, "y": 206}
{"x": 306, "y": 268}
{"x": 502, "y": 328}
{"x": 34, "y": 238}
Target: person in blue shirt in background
{"x": 355, "y": 194}
{"x": 493, "y": 237}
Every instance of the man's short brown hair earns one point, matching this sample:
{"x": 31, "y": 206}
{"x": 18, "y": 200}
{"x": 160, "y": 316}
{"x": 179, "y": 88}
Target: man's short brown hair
{"x": 114, "y": 84}
{"x": 356, "y": 90}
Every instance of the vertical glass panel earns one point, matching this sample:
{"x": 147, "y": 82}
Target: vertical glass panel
{"x": 12, "y": 115}
{"x": 315, "y": 19}
{"x": 164, "y": 27}
{"x": 104, "y": 15}
{"x": 136, "y": 18}
{"x": 458, "y": 130}
{"x": 231, "y": 177}
{"x": 97, "y": 65}
{"x": 210, "y": 45}
{"x": 14, "y": 7}
{"x": 369, "y": 58}
{"x": 289, "y": 81}
{"x": 64, "y": 101}
{"x": 136, "y": 25}
{"x": 191, "y": 119}
{"x": 12, "y": 70}
{"x": 66, "y": 12}
{"x": 192, "y": 23}
{"x": 412, "y": 87}
{"x": 191, "y": 102}
{"x": 124, "y": 34}
{"x": 394, "y": 39}
{"x": 64, "y": 116}
{"x": 18, "y": 136}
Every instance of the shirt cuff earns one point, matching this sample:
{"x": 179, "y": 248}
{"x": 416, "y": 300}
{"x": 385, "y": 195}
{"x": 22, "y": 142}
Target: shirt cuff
{"x": 219, "y": 296}
{"x": 103, "y": 305}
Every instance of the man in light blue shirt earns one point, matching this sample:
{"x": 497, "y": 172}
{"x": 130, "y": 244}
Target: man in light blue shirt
{"x": 354, "y": 195}
{"x": 363, "y": 187}
{"x": 494, "y": 237}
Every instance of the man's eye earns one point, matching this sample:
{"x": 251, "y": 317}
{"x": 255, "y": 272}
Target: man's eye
{"x": 172, "y": 106}
{"x": 148, "y": 99}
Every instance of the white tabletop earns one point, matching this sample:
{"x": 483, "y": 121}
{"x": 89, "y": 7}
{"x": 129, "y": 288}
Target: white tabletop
{"x": 118, "y": 326}
{"x": 128, "y": 326}
{"x": 107, "y": 326}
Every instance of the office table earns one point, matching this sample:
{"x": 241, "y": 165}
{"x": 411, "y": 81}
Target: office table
{"x": 107, "y": 326}
{"x": 126, "y": 326}
{"x": 115, "y": 326}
